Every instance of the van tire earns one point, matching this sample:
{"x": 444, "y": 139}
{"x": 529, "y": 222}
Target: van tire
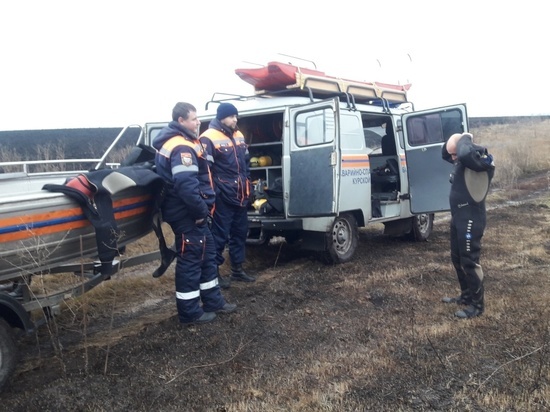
{"x": 342, "y": 239}
{"x": 8, "y": 353}
{"x": 422, "y": 226}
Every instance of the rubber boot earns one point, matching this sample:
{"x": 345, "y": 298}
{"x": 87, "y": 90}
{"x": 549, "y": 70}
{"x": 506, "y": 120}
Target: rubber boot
{"x": 237, "y": 273}
{"x": 224, "y": 283}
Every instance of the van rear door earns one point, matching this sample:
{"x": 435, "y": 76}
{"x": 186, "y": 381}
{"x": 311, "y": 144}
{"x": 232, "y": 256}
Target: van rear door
{"x": 424, "y": 134}
{"x": 314, "y": 159}
{"x": 151, "y": 131}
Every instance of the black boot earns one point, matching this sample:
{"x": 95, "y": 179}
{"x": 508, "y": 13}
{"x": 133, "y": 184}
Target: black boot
{"x": 475, "y": 306}
{"x": 470, "y": 311}
{"x": 224, "y": 283}
{"x": 237, "y": 273}
{"x": 17, "y": 291}
{"x": 463, "y": 299}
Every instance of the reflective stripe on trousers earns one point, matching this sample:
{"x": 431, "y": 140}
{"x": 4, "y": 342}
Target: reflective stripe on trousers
{"x": 196, "y": 274}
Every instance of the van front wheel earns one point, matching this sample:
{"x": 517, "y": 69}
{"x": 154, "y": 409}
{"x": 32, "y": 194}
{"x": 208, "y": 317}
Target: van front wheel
{"x": 342, "y": 239}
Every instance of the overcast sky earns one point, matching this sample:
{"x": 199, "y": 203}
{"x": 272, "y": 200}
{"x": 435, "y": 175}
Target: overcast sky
{"x": 108, "y": 63}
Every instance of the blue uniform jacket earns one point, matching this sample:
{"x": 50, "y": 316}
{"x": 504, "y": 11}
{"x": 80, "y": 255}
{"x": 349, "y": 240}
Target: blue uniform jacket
{"x": 227, "y": 154}
{"x": 181, "y": 162}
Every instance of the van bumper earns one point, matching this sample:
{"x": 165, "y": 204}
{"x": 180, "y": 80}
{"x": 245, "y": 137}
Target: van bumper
{"x": 260, "y": 230}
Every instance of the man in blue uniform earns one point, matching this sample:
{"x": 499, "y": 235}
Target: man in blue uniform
{"x": 187, "y": 205}
{"x": 227, "y": 154}
{"x": 470, "y": 180}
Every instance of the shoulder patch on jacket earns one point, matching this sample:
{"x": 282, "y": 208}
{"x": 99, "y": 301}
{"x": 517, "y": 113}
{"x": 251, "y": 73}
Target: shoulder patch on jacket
{"x": 186, "y": 159}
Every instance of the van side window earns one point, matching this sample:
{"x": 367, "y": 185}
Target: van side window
{"x": 315, "y": 127}
{"x": 351, "y": 132}
{"x": 434, "y": 127}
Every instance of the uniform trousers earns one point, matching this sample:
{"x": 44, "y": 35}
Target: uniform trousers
{"x": 197, "y": 289}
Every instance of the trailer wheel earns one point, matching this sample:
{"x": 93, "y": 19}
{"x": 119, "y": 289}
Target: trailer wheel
{"x": 342, "y": 239}
{"x": 422, "y": 226}
{"x": 8, "y": 353}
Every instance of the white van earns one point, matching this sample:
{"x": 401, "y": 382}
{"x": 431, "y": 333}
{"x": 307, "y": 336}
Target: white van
{"x": 328, "y": 161}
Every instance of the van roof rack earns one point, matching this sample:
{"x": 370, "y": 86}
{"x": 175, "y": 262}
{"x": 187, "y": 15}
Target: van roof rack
{"x": 282, "y": 78}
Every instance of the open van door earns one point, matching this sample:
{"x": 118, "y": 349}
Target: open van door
{"x": 314, "y": 159}
{"x": 424, "y": 134}
{"x": 152, "y": 130}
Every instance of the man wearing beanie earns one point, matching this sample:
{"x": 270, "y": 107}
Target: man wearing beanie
{"x": 227, "y": 154}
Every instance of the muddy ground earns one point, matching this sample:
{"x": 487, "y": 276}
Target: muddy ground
{"x": 370, "y": 334}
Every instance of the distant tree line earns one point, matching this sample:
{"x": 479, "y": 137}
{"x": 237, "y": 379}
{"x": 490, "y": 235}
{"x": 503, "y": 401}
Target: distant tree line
{"x": 76, "y": 143}
{"x": 92, "y": 142}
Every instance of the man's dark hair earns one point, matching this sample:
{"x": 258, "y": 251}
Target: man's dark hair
{"x": 182, "y": 109}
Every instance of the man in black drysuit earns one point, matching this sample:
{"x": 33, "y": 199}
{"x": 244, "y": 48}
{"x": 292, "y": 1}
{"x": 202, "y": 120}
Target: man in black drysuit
{"x": 470, "y": 180}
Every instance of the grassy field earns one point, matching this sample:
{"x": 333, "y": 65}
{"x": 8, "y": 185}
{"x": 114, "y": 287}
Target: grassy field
{"x": 518, "y": 147}
{"x": 368, "y": 335}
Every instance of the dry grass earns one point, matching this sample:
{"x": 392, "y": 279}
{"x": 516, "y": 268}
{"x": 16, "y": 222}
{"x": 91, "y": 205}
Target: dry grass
{"x": 518, "y": 148}
{"x": 366, "y": 335}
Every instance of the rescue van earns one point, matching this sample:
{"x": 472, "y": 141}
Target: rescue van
{"x": 330, "y": 156}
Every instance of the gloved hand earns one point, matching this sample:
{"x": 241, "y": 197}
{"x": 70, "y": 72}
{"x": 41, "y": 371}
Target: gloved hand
{"x": 488, "y": 158}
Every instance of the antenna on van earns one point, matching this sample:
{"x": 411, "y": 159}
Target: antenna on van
{"x": 255, "y": 64}
{"x": 299, "y": 58}
{"x": 410, "y": 60}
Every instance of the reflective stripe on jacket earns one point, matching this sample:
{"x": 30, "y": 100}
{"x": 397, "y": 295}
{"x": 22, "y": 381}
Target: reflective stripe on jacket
{"x": 181, "y": 162}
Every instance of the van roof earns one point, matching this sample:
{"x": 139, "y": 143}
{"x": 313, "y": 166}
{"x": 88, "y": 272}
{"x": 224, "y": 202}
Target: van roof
{"x": 265, "y": 103}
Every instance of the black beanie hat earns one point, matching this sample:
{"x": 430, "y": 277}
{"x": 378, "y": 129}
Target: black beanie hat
{"x": 225, "y": 110}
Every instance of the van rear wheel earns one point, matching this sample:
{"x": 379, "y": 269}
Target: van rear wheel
{"x": 342, "y": 239}
{"x": 422, "y": 226}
